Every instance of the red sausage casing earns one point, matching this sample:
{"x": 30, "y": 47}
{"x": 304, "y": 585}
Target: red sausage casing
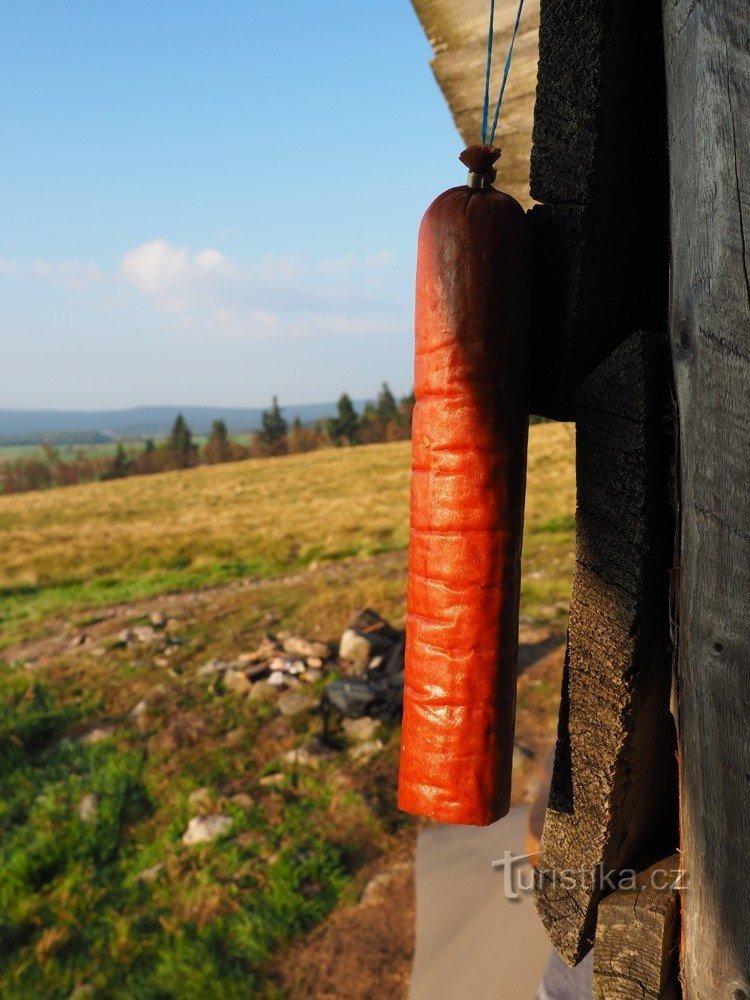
{"x": 469, "y": 440}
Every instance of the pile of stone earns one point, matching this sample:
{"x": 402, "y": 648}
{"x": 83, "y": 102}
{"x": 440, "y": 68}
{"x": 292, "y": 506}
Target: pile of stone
{"x": 285, "y": 664}
{"x": 158, "y": 633}
{"x": 282, "y": 662}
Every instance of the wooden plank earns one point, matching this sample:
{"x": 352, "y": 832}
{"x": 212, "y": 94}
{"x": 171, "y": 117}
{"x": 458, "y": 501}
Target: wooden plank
{"x": 635, "y": 954}
{"x": 614, "y": 785}
{"x": 708, "y": 81}
{"x": 599, "y": 166}
{"x": 457, "y": 31}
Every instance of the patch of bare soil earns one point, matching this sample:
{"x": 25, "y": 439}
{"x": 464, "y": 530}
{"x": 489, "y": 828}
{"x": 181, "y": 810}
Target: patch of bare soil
{"x": 361, "y": 952}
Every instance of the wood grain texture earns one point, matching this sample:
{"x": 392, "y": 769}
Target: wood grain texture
{"x": 708, "y": 81}
{"x": 457, "y": 31}
{"x": 614, "y": 789}
{"x": 599, "y": 166}
{"x": 635, "y": 954}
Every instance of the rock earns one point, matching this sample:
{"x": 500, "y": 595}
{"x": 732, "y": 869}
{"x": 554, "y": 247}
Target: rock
{"x": 237, "y": 681}
{"x": 361, "y": 729}
{"x": 161, "y": 661}
{"x": 79, "y": 640}
{"x": 267, "y": 649}
{"x": 293, "y": 703}
{"x": 263, "y": 691}
{"x": 203, "y": 829}
{"x": 125, "y": 637}
{"x": 88, "y": 808}
{"x": 200, "y": 798}
{"x": 279, "y": 663}
{"x": 253, "y": 670}
{"x": 139, "y": 710}
{"x": 295, "y": 645}
{"x": 243, "y": 800}
{"x": 158, "y": 619}
{"x": 98, "y": 735}
{"x": 277, "y": 678}
{"x": 312, "y": 754}
{"x": 99, "y": 651}
{"x": 212, "y": 668}
{"x": 234, "y": 736}
{"x": 366, "y": 750}
{"x": 312, "y": 675}
{"x": 355, "y": 649}
{"x": 150, "y": 874}
{"x": 272, "y": 780}
{"x": 314, "y": 662}
{"x": 145, "y": 634}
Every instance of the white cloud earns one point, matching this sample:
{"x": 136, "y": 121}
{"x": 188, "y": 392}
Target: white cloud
{"x": 204, "y": 293}
{"x": 71, "y": 273}
{"x": 211, "y": 260}
{"x": 9, "y": 266}
{"x": 175, "y": 278}
{"x": 156, "y": 266}
{"x": 267, "y": 319}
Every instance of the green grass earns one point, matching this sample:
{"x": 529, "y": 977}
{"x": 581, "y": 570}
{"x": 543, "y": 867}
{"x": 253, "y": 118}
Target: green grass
{"x": 103, "y": 543}
{"x": 71, "y": 907}
{"x": 72, "y": 910}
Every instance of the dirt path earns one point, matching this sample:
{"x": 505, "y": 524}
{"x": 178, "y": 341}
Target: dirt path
{"x": 81, "y": 630}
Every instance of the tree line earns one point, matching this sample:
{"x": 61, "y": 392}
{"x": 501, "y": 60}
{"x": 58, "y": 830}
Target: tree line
{"x": 387, "y": 419}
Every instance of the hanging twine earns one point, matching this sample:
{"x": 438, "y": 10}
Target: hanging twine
{"x": 490, "y": 140}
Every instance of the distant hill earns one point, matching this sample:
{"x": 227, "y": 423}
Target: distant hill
{"x": 142, "y": 421}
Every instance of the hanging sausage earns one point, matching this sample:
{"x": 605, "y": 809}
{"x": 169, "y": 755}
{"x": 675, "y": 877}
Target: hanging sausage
{"x": 469, "y": 440}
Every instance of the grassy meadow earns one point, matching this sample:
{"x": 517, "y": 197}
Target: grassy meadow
{"x": 107, "y": 542}
{"x": 114, "y": 904}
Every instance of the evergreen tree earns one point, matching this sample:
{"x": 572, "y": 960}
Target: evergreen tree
{"x": 386, "y": 407}
{"x": 180, "y": 443}
{"x": 344, "y": 428}
{"x": 121, "y": 462}
{"x": 219, "y": 432}
{"x": 218, "y": 447}
{"x": 273, "y": 426}
{"x": 405, "y": 411}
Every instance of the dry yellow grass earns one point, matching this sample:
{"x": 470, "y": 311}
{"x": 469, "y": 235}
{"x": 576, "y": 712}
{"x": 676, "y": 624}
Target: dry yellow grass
{"x": 110, "y": 541}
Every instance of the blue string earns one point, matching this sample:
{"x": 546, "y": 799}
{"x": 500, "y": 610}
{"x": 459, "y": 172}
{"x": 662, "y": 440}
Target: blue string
{"x": 490, "y": 36}
{"x": 506, "y": 72}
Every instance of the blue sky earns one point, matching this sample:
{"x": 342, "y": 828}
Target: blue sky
{"x": 212, "y": 203}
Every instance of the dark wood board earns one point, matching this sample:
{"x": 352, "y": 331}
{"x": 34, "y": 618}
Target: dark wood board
{"x": 598, "y": 165}
{"x": 614, "y": 788}
{"x": 707, "y": 48}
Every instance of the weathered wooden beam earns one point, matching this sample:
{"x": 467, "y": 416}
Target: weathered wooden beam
{"x": 457, "y": 31}
{"x": 613, "y": 795}
{"x": 707, "y": 47}
{"x": 635, "y": 954}
{"x": 598, "y": 164}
